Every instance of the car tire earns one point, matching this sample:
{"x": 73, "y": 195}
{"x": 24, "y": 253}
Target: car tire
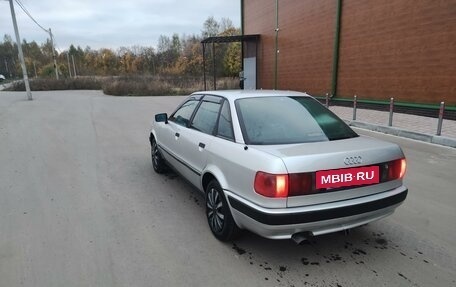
{"x": 158, "y": 163}
{"x": 218, "y": 213}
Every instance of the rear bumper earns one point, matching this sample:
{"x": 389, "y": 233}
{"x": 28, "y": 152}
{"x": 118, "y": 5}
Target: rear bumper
{"x": 316, "y": 219}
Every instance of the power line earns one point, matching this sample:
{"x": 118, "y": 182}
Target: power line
{"x": 45, "y": 30}
{"x": 30, "y": 15}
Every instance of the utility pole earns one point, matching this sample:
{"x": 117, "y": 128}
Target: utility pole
{"x": 74, "y": 66}
{"x": 21, "y": 55}
{"x": 7, "y": 70}
{"x": 69, "y": 67}
{"x": 34, "y": 68}
{"x": 53, "y": 55}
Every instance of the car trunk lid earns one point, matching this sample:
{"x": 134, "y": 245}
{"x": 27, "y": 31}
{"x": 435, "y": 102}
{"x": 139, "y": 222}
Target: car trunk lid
{"x": 326, "y": 156}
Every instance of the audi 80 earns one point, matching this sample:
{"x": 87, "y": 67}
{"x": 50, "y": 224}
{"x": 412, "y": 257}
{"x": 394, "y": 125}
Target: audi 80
{"x": 277, "y": 163}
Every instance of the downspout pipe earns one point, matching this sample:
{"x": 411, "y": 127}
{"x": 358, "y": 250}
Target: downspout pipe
{"x": 335, "y": 65}
{"x": 213, "y": 66}
{"x": 204, "y": 66}
{"x": 242, "y": 17}
{"x": 242, "y": 44}
{"x": 276, "y": 50}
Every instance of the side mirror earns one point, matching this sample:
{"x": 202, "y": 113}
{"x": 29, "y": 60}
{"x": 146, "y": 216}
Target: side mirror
{"x": 163, "y": 117}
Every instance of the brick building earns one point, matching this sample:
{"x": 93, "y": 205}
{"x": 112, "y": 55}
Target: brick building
{"x": 375, "y": 49}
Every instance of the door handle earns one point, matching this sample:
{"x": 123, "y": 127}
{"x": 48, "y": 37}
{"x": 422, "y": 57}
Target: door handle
{"x": 201, "y": 145}
{"x": 177, "y": 134}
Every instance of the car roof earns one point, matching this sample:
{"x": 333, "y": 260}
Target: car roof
{"x": 240, "y": 94}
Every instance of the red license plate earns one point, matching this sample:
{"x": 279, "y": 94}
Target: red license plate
{"x": 347, "y": 177}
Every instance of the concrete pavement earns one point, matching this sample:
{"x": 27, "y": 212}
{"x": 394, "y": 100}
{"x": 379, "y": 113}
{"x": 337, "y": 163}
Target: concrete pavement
{"x": 80, "y": 205}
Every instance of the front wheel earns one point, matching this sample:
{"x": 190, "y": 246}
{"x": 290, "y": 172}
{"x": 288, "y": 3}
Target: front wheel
{"x": 218, "y": 213}
{"x": 158, "y": 162}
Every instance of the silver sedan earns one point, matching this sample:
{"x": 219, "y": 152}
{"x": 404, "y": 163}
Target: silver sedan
{"x": 277, "y": 163}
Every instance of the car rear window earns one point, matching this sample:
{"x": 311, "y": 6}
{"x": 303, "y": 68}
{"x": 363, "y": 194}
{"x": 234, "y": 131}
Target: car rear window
{"x": 286, "y": 120}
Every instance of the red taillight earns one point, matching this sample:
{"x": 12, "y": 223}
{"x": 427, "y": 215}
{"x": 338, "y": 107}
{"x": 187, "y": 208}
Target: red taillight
{"x": 271, "y": 185}
{"x": 403, "y": 168}
{"x": 300, "y": 184}
{"x": 283, "y": 185}
{"x": 396, "y": 169}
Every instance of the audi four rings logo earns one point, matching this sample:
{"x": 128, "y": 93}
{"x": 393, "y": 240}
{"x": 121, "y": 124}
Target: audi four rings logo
{"x": 351, "y": 160}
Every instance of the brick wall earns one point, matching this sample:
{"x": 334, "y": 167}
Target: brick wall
{"x": 305, "y": 43}
{"x": 403, "y": 49}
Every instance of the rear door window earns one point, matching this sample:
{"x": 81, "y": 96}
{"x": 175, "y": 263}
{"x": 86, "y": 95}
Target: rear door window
{"x": 206, "y": 117}
{"x": 225, "y": 128}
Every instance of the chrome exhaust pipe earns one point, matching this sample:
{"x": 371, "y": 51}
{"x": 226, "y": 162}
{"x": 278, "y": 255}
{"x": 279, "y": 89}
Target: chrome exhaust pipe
{"x": 299, "y": 237}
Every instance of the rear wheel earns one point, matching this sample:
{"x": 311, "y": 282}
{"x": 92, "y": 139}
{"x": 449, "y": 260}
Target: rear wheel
{"x": 158, "y": 162}
{"x": 218, "y": 213}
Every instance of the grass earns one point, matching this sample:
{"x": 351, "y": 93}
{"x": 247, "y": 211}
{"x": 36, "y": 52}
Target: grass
{"x": 128, "y": 85}
{"x": 80, "y": 83}
{"x": 149, "y": 86}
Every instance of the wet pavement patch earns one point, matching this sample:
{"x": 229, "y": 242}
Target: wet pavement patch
{"x": 355, "y": 251}
{"x": 238, "y": 249}
{"x": 359, "y": 251}
{"x": 196, "y": 200}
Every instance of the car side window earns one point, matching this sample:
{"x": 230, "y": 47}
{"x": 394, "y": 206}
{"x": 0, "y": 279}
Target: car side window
{"x": 183, "y": 114}
{"x": 206, "y": 117}
{"x": 225, "y": 128}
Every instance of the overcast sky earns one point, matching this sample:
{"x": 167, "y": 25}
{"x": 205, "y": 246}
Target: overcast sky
{"x": 112, "y": 24}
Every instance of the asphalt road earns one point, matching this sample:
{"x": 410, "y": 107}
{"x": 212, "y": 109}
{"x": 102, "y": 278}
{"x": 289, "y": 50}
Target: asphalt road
{"x": 81, "y": 206}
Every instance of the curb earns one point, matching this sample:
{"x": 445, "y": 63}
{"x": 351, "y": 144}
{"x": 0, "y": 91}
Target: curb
{"x": 434, "y": 139}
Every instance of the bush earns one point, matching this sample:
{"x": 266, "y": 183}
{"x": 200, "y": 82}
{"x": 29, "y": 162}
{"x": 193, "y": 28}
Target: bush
{"x": 150, "y": 86}
{"x": 129, "y": 85}
{"x": 79, "y": 83}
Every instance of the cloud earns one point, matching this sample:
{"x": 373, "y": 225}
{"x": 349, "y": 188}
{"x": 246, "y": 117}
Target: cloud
{"x": 113, "y": 24}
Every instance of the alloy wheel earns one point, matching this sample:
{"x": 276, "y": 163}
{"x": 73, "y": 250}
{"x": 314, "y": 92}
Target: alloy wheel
{"x": 155, "y": 154}
{"x": 214, "y": 207}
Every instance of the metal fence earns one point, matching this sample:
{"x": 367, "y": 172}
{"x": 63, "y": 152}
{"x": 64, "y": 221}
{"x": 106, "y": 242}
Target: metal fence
{"x": 440, "y": 112}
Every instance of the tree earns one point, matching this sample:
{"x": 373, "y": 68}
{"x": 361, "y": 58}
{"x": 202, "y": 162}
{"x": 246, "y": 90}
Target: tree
{"x": 150, "y": 57}
{"x": 174, "y": 55}
{"x": 169, "y": 50}
{"x": 9, "y": 57}
{"x": 164, "y": 44}
{"x": 226, "y": 24}
{"x": 47, "y": 49}
{"x": 232, "y": 60}
{"x": 232, "y": 53}
{"x": 47, "y": 71}
{"x": 107, "y": 62}
{"x": 176, "y": 46}
{"x": 126, "y": 59}
{"x": 210, "y": 27}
